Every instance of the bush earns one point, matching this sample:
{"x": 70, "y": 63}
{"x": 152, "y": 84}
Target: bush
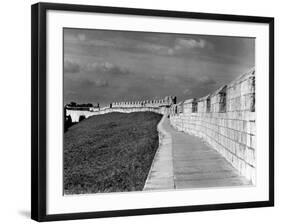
{"x": 81, "y": 118}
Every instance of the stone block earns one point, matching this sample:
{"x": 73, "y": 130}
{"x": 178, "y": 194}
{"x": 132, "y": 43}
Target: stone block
{"x": 241, "y": 166}
{"x": 250, "y": 173}
{"x": 232, "y": 146}
{"x": 241, "y": 152}
{"x": 244, "y": 138}
{"x": 234, "y": 161}
{"x": 250, "y": 156}
{"x": 252, "y": 125}
{"x": 248, "y": 141}
{"x": 253, "y": 141}
{"x": 235, "y": 136}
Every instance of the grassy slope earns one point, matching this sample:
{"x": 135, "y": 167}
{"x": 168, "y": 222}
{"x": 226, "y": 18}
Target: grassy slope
{"x": 110, "y": 153}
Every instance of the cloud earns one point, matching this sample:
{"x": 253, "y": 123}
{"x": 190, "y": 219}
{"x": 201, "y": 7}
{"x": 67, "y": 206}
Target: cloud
{"x": 149, "y": 44}
{"x": 103, "y": 67}
{"x": 187, "y": 91}
{"x": 201, "y": 86}
{"x": 101, "y": 83}
{"x": 71, "y": 66}
{"x": 82, "y": 39}
{"x": 100, "y": 43}
{"x": 107, "y": 67}
{"x": 182, "y": 43}
{"x": 131, "y": 65}
{"x": 81, "y": 36}
{"x": 85, "y": 84}
{"x": 206, "y": 80}
{"x": 154, "y": 48}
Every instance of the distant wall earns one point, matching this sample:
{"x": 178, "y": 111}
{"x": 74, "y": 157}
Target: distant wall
{"x": 157, "y": 105}
{"x": 75, "y": 114}
{"x": 226, "y": 120}
{"x": 167, "y": 101}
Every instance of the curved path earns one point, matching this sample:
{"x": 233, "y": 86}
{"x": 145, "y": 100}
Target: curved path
{"x": 185, "y": 161}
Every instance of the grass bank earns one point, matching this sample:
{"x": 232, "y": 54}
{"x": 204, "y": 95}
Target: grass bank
{"x": 110, "y": 153}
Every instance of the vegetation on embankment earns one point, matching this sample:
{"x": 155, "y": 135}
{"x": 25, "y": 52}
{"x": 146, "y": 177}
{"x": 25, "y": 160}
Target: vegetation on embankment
{"x": 110, "y": 153}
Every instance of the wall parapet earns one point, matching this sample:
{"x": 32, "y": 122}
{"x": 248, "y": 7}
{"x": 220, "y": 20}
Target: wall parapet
{"x": 156, "y": 105}
{"x": 76, "y": 114}
{"x": 166, "y": 102}
{"x": 226, "y": 120}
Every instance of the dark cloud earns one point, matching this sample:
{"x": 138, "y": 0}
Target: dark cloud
{"x": 187, "y": 91}
{"x": 93, "y": 83}
{"x": 168, "y": 45}
{"x": 71, "y": 67}
{"x": 102, "y": 67}
{"x": 203, "y": 86}
{"x": 178, "y": 46}
{"x": 206, "y": 81}
{"x": 101, "y": 83}
{"x": 107, "y": 67}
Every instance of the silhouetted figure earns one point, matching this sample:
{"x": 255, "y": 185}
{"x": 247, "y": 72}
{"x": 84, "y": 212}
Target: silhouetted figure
{"x": 174, "y": 100}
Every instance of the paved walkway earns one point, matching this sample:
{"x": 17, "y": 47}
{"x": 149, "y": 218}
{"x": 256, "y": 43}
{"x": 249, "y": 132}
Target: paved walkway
{"x": 185, "y": 161}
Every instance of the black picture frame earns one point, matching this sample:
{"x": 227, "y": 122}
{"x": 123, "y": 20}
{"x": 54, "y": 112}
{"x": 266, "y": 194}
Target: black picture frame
{"x": 38, "y": 108}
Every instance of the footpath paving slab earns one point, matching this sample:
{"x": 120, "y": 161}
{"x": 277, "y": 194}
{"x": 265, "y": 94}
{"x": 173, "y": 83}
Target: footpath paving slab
{"x": 161, "y": 175}
{"x": 198, "y": 165}
{"x": 185, "y": 161}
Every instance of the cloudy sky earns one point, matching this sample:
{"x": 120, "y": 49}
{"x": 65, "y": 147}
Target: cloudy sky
{"x": 108, "y": 66}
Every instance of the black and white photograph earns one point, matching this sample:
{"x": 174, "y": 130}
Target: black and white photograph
{"x": 152, "y": 111}
{"x": 143, "y": 112}
{"x": 140, "y": 111}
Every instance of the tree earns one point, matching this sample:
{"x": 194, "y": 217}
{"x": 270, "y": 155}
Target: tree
{"x": 73, "y": 104}
{"x": 81, "y": 118}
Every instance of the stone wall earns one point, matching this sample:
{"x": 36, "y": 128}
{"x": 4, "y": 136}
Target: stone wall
{"x": 156, "y": 105}
{"x": 167, "y": 101}
{"x": 225, "y": 120}
{"x": 75, "y": 114}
